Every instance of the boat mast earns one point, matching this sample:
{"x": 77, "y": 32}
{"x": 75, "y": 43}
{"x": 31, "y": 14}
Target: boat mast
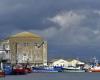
{"x": 95, "y": 61}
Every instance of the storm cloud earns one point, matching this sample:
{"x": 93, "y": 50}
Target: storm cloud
{"x": 71, "y": 27}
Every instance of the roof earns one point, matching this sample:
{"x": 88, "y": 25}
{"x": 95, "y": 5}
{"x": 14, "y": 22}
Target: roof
{"x": 26, "y": 34}
{"x": 53, "y": 60}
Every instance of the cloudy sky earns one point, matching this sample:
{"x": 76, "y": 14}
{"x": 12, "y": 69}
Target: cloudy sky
{"x": 71, "y": 27}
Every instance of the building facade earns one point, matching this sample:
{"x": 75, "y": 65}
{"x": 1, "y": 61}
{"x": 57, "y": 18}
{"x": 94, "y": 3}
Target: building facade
{"x": 27, "y": 47}
{"x": 60, "y": 62}
{"x": 66, "y": 63}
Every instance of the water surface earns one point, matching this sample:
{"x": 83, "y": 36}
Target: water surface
{"x": 54, "y": 76}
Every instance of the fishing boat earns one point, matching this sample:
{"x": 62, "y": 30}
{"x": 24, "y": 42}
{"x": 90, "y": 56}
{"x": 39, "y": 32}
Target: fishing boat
{"x": 73, "y": 69}
{"x": 7, "y": 68}
{"x": 45, "y": 69}
{"x": 19, "y": 69}
{"x": 95, "y": 67}
{"x": 2, "y": 74}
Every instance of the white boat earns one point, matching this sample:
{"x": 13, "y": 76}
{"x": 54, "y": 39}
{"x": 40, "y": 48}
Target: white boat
{"x": 73, "y": 69}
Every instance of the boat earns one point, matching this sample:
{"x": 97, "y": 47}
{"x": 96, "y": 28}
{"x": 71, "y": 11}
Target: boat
{"x": 44, "y": 69}
{"x": 58, "y": 68}
{"x": 2, "y": 74}
{"x": 95, "y": 67}
{"x": 73, "y": 69}
{"x": 19, "y": 69}
{"x": 28, "y": 69}
{"x": 7, "y": 69}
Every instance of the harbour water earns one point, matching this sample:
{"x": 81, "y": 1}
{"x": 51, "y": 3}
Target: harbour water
{"x": 54, "y": 76}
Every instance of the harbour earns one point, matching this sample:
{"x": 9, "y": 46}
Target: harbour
{"x": 26, "y": 53}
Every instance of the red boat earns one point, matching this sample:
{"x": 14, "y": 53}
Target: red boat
{"x": 19, "y": 69}
{"x": 2, "y": 74}
{"x": 95, "y": 69}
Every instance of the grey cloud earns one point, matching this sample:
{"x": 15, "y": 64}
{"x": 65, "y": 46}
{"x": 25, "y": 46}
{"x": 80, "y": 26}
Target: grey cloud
{"x": 75, "y": 28}
{"x": 30, "y": 14}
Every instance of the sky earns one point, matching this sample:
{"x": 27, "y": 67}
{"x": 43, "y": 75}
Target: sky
{"x": 71, "y": 27}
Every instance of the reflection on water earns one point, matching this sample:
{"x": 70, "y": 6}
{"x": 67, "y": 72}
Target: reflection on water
{"x": 54, "y": 76}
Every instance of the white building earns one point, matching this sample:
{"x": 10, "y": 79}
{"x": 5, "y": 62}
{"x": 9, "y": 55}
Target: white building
{"x": 66, "y": 63}
{"x": 75, "y": 62}
{"x": 60, "y": 62}
{"x": 4, "y": 51}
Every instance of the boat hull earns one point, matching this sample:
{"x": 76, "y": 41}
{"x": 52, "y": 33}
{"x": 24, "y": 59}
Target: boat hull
{"x": 2, "y": 74}
{"x": 8, "y": 69}
{"x": 93, "y": 70}
{"x": 19, "y": 71}
{"x": 43, "y": 69}
{"x": 73, "y": 70}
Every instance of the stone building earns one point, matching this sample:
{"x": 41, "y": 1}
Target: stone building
{"x": 26, "y": 47}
